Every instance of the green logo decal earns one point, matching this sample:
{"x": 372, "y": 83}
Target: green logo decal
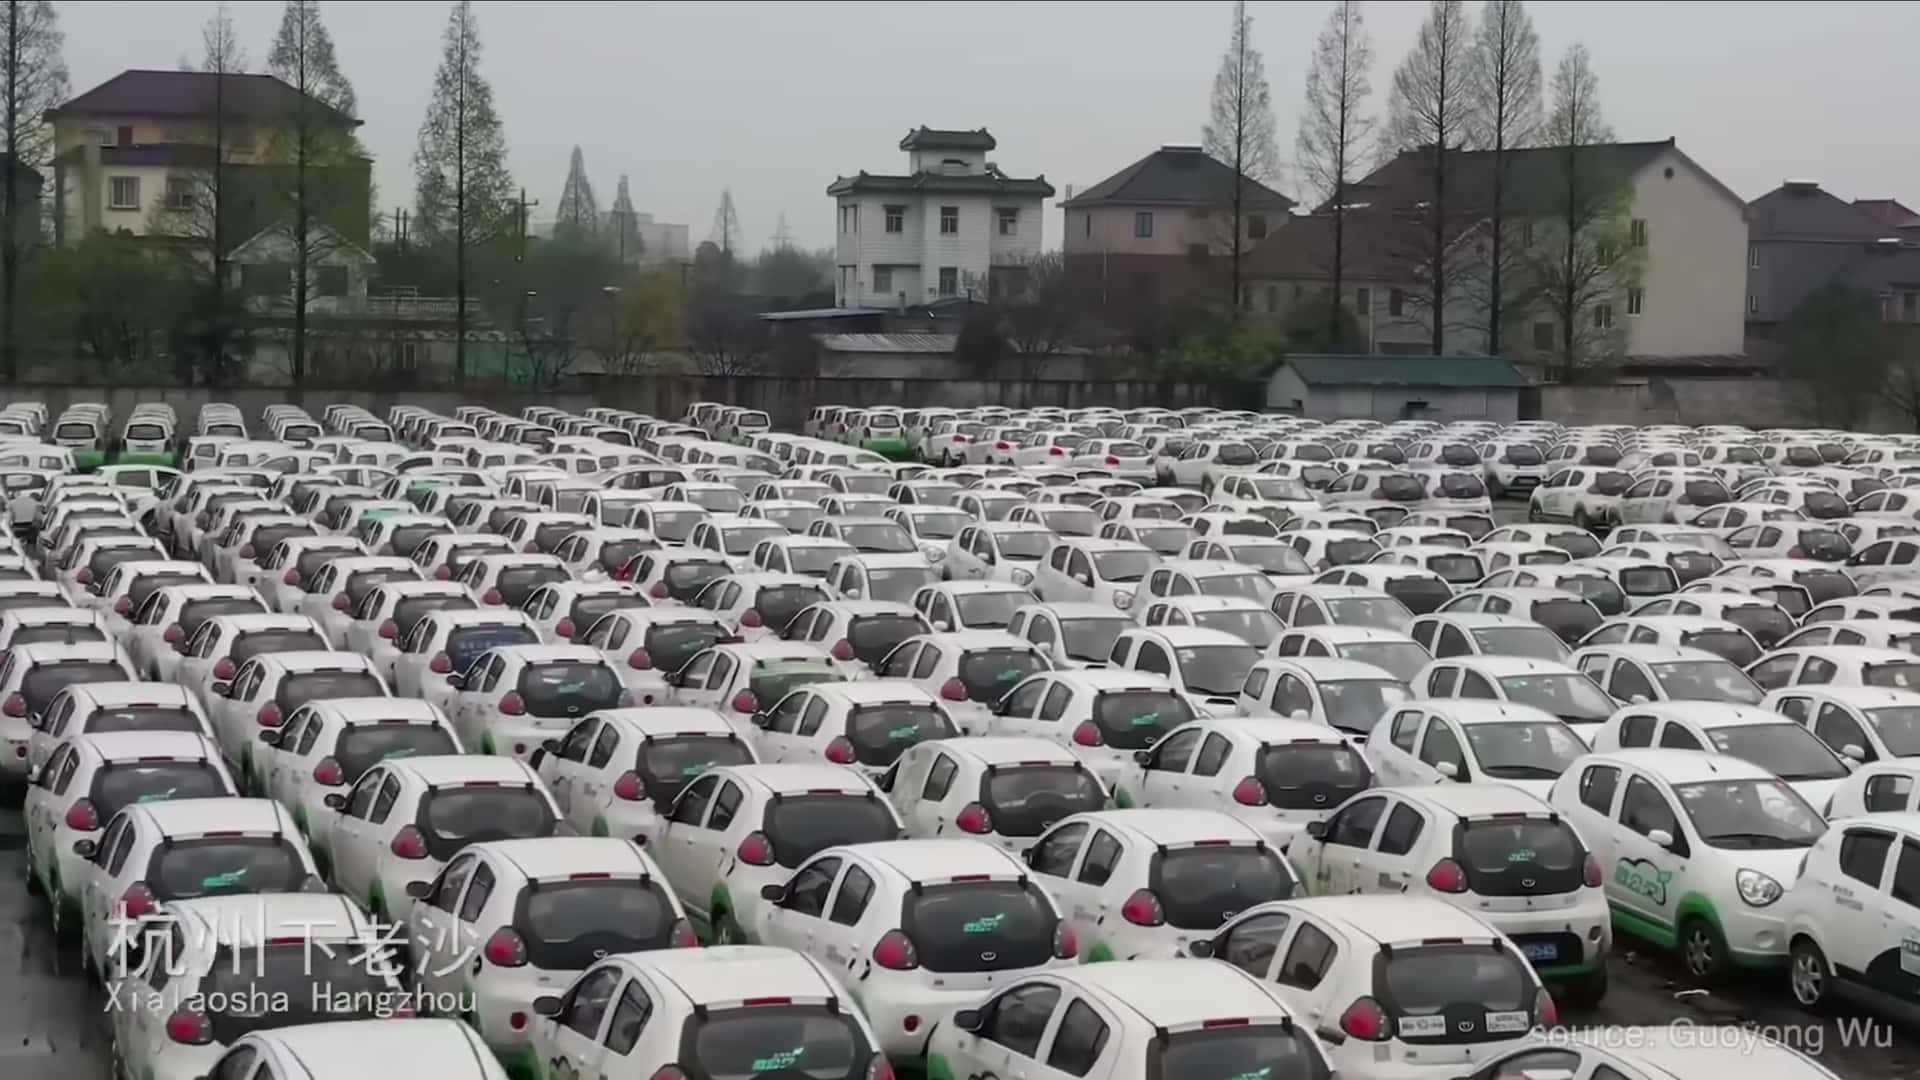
{"x": 986, "y": 925}
{"x": 1012, "y": 676}
{"x": 404, "y": 751}
{"x": 696, "y": 768}
{"x": 1146, "y": 719}
{"x": 1643, "y": 878}
{"x": 1523, "y": 855}
{"x": 157, "y": 796}
{"x": 904, "y": 732}
{"x": 224, "y": 881}
{"x": 775, "y": 1062}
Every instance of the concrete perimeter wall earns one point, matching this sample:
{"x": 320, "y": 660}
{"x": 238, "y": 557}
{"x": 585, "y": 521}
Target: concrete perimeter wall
{"x": 1754, "y": 402}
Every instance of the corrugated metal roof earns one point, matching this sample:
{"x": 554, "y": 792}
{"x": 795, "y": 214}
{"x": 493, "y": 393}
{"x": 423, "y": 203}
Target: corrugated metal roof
{"x": 1489, "y": 371}
{"x": 887, "y": 343}
{"x": 820, "y": 313}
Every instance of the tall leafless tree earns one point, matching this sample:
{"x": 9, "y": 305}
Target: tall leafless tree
{"x": 33, "y": 79}
{"x": 1507, "y": 116}
{"x": 1429, "y": 112}
{"x": 1335, "y": 129}
{"x": 1240, "y": 131}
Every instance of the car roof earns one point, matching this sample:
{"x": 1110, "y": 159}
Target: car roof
{"x": 263, "y": 620}
{"x": 373, "y": 1047}
{"x": 871, "y": 691}
{"x": 668, "y": 720}
{"x": 1482, "y": 620}
{"x": 1501, "y": 667}
{"x": 1655, "y": 654}
{"x": 1345, "y": 632}
{"x": 1712, "y": 714}
{"x": 179, "y": 817}
{"x": 250, "y": 919}
{"x": 1272, "y": 729}
{"x": 559, "y": 856}
{"x": 127, "y": 745}
{"x": 1476, "y": 800}
{"x": 969, "y": 588}
{"x": 1174, "y": 993}
{"x": 358, "y": 710}
{"x": 440, "y": 770}
{"x": 111, "y": 694}
{"x": 1860, "y": 697}
{"x": 1190, "y": 636}
{"x": 794, "y": 778}
{"x": 1327, "y": 668}
{"x": 1683, "y": 766}
{"x": 548, "y": 654}
{"x": 1166, "y": 827}
{"x": 733, "y": 972}
{"x": 1483, "y": 710}
{"x": 941, "y": 858}
{"x": 47, "y": 652}
{"x": 315, "y": 660}
{"x": 1112, "y": 678}
{"x": 1855, "y": 654}
{"x": 1396, "y": 918}
{"x": 1006, "y": 749}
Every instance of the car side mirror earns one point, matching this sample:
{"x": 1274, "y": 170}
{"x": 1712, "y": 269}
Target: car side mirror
{"x": 419, "y": 890}
{"x": 968, "y": 1020}
{"x": 336, "y": 801}
{"x": 221, "y": 689}
{"x": 1661, "y": 838}
{"x": 1316, "y": 829}
{"x": 1448, "y": 769}
{"x": 546, "y": 1005}
{"x": 456, "y": 682}
{"x": 271, "y": 736}
{"x": 539, "y": 755}
{"x": 1201, "y": 950}
{"x": 672, "y": 678}
{"x": 1300, "y": 714}
{"x": 551, "y": 746}
{"x": 773, "y": 894}
{"x": 1854, "y": 752}
{"x": 1084, "y": 579}
{"x": 1142, "y": 757}
{"x": 1637, "y": 699}
{"x": 86, "y": 848}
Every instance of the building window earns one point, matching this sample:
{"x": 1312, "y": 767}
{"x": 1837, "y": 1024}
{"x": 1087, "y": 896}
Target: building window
{"x": 331, "y": 281}
{"x": 123, "y": 192}
{"x": 1396, "y": 303}
{"x": 949, "y": 281}
{"x": 1143, "y": 224}
{"x": 883, "y": 279}
{"x": 1753, "y": 304}
{"x": 1257, "y": 227}
{"x": 1298, "y": 291}
{"x": 1009, "y": 221}
{"x": 1363, "y": 301}
{"x": 1273, "y": 297}
{"x": 1543, "y": 335}
{"x": 896, "y": 219}
{"x": 1603, "y": 316}
{"x": 949, "y": 221}
{"x": 1753, "y": 257}
{"x": 126, "y": 134}
{"x": 1637, "y": 232}
{"x": 850, "y": 218}
{"x": 102, "y": 136}
{"x": 1636, "y": 300}
{"x": 1909, "y": 307}
{"x": 179, "y": 193}
{"x": 1086, "y": 224}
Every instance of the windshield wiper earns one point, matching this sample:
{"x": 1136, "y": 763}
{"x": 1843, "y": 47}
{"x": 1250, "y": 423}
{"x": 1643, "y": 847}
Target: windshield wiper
{"x": 1523, "y": 772}
{"x": 1754, "y": 840}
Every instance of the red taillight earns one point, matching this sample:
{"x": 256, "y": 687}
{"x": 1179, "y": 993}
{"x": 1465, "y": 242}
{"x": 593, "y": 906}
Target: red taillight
{"x": 340, "y": 602}
{"x": 329, "y": 773}
{"x": 1055, "y": 451}
{"x": 563, "y": 629}
{"x": 750, "y": 617}
{"x": 246, "y": 551}
{"x": 1447, "y": 877}
{"x": 840, "y": 751}
{"x": 439, "y": 574}
{"x": 506, "y": 949}
{"x": 84, "y": 577}
{"x": 659, "y": 590}
{"x": 756, "y": 850}
{"x": 123, "y": 606}
{"x": 895, "y": 952}
{"x": 1088, "y": 734}
{"x": 1796, "y": 552}
{"x": 630, "y": 787}
{"x": 953, "y": 690}
{"x": 223, "y": 668}
{"x": 745, "y": 702}
{"x": 137, "y": 901}
{"x": 1066, "y": 943}
{"x": 1594, "y": 879}
{"x": 189, "y": 1028}
{"x": 441, "y": 664}
{"x": 1545, "y": 1012}
{"x": 291, "y": 577}
{"x": 389, "y": 629}
{"x": 409, "y": 844}
{"x": 1002, "y": 446}
{"x": 15, "y": 706}
{"x": 683, "y": 936}
{"x": 1250, "y": 792}
{"x": 1365, "y": 1020}
{"x": 512, "y": 705}
{"x": 843, "y": 649}
{"x": 668, "y": 1072}
{"x": 974, "y": 818}
{"x": 880, "y": 1068}
{"x": 960, "y": 438}
{"x": 82, "y": 817}
{"x": 1143, "y": 909}
{"x": 638, "y": 660}
{"x": 174, "y": 634}
{"x": 1111, "y": 460}
{"x": 532, "y": 548}
{"x": 268, "y": 716}
{"x": 491, "y": 596}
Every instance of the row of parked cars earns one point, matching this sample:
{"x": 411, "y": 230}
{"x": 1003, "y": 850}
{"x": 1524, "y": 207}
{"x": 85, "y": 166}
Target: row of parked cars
{"x": 908, "y": 748}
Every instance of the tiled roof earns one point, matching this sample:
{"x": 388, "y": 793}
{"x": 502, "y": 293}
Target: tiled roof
{"x": 140, "y": 92}
{"x": 948, "y": 139}
{"x": 1802, "y": 211}
{"x": 1891, "y": 212}
{"x": 1532, "y": 176}
{"x": 975, "y": 184}
{"x": 1375, "y": 245}
{"x": 1177, "y": 176}
{"x": 1456, "y": 371}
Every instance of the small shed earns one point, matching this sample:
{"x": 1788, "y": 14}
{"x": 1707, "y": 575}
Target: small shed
{"x": 1397, "y": 387}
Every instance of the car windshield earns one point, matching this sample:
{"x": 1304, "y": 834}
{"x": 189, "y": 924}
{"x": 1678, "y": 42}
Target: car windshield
{"x": 281, "y": 984}
{"x": 1255, "y": 626}
{"x": 990, "y": 610}
{"x": 988, "y": 674}
{"x": 1525, "y": 750}
{"x": 41, "y": 682}
{"x": 1123, "y": 566}
{"x": 1307, "y": 775}
{"x": 1529, "y": 641}
{"x": 1894, "y": 674}
{"x": 1272, "y": 558}
{"x": 567, "y": 925}
{"x": 801, "y": 826}
{"x": 1748, "y": 815}
{"x": 1571, "y": 697}
{"x": 153, "y": 717}
{"x": 1069, "y": 520}
{"x": 1027, "y": 799}
{"x": 1786, "y": 750}
{"x": 740, "y": 539}
{"x": 774, "y": 679}
{"x": 980, "y": 925}
{"x": 1215, "y": 670}
{"x": 1156, "y": 510}
{"x": 898, "y": 584}
{"x": 453, "y": 817}
{"x": 1163, "y": 539}
{"x": 1248, "y": 1052}
{"x": 1731, "y": 645}
{"x": 1898, "y": 727}
{"x": 1256, "y": 587}
{"x": 568, "y": 688}
{"x": 1708, "y": 680}
{"x": 814, "y": 560}
{"x": 186, "y": 869}
{"x": 673, "y": 526}
{"x": 1382, "y": 612}
{"x": 1355, "y": 705}
{"x": 787, "y": 1042}
{"x": 1403, "y": 658}
{"x": 120, "y": 784}
{"x": 1091, "y": 639}
{"x": 1202, "y": 886}
{"x": 362, "y": 746}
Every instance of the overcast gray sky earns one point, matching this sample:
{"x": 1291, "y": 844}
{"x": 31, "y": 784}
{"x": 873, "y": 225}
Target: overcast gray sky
{"x": 775, "y": 100}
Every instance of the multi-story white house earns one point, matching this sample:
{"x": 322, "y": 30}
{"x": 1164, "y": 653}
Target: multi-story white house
{"x": 953, "y": 225}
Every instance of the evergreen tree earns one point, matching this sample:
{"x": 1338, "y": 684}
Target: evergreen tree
{"x": 1335, "y": 129}
{"x": 626, "y": 237}
{"x": 463, "y": 191}
{"x": 578, "y": 216}
{"x": 33, "y": 79}
{"x": 1240, "y": 131}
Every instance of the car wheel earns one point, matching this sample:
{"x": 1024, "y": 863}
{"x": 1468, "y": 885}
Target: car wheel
{"x": 1533, "y": 512}
{"x": 1809, "y": 975}
{"x": 1702, "y": 950}
{"x": 1586, "y": 991}
{"x": 1496, "y": 490}
{"x": 1581, "y": 519}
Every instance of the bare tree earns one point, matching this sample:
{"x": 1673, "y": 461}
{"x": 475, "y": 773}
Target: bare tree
{"x": 1042, "y": 312}
{"x": 1429, "y": 111}
{"x": 644, "y": 318}
{"x": 33, "y": 79}
{"x": 1335, "y": 129}
{"x": 1588, "y": 258}
{"x": 1240, "y": 130}
{"x": 1507, "y": 116}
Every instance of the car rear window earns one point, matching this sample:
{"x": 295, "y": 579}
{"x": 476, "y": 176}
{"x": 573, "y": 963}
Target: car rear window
{"x": 988, "y": 674}
{"x": 980, "y": 925}
{"x": 118, "y": 785}
{"x": 106, "y": 559}
{"x": 195, "y": 612}
{"x": 1418, "y": 595}
{"x": 1710, "y": 493}
{"x": 1455, "y": 993}
{"x": 685, "y": 579}
{"x": 615, "y": 553}
{"x": 1648, "y": 581}
{"x": 1728, "y": 644}
{"x": 1824, "y": 585}
{"x": 1249, "y": 1052}
{"x": 800, "y": 826}
{"x": 568, "y": 688}
{"x": 1310, "y": 775}
{"x": 587, "y": 609}
{"x": 299, "y": 688}
{"x": 1346, "y": 552}
{"x": 1570, "y": 619}
{"x": 1525, "y": 856}
{"x": 1792, "y": 599}
{"x": 144, "y": 718}
{"x": 874, "y": 636}
{"x": 452, "y": 817}
{"x": 225, "y": 866}
{"x": 516, "y": 583}
{"x": 408, "y": 537}
{"x": 65, "y": 633}
{"x": 568, "y": 925}
{"x": 671, "y": 645}
{"x": 303, "y": 983}
{"x": 408, "y": 611}
{"x": 881, "y": 733}
{"x": 790, "y": 1042}
{"x": 1460, "y": 569}
{"x": 1027, "y": 800}
{"x": 43, "y": 681}
{"x": 1894, "y": 674}
{"x": 362, "y": 746}
{"x": 669, "y": 763}
{"x": 1201, "y": 887}
{"x": 468, "y": 643}
{"x": 778, "y": 604}
{"x": 1136, "y": 719}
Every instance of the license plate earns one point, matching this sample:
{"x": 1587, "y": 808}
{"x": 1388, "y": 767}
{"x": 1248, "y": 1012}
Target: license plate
{"x": 1547, "y": 951}
{"x": 1422, "y": 1027}
{"x": 1503, "y": 1023}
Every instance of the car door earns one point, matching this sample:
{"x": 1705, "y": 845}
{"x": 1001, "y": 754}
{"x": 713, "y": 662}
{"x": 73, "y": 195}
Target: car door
{"x": 353, "y": 837}
{"x": 1337, "y": 865}
{"x": 1006, "y": 1041}
{"x": 437, "y": 945}
{"x": 1645, "y": 878}
{"x": 1161, "y": 778}
{"x": 778, "y": 738}
{"x": 1053, "y": 859}
{"x": 1895, "y": 967}
{"x": 691, "y": 682}
{"x": 1392, "y": 864}
{"x": 45, "y": 804}
{"x": 793, "y": 921}
{"x": 562, "y": 768}
{"x": 1393, "y": 758}
{"x": 1441, "y": 757}
{"x": 573, "y": 1044}
{"x": 689, "y": 851}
